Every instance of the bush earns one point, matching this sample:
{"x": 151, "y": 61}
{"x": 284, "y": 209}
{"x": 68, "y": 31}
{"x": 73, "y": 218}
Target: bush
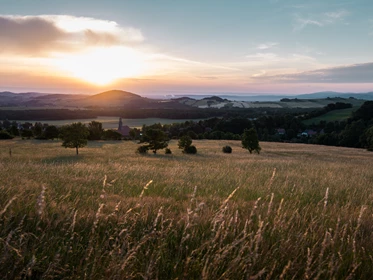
{"x": 5, "y": 135}
{"x": 190, "y": 150}
{"x": 227, "y": 149}
{"x": 142, "y": 149}
{"x": 111, "y": 135}
{"x": 168, "y": 151}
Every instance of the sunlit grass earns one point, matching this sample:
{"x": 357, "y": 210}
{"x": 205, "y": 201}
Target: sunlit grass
{"x": 299, "y": 211}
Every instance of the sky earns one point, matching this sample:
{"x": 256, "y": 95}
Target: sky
{"x": 174, "y": 47}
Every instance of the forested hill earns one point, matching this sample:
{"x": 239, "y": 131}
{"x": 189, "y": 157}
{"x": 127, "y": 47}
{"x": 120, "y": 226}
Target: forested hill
{"x": 125, "y": 99}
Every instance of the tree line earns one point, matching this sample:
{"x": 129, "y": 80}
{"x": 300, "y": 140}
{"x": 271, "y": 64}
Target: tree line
{"x": 356, "y": 131}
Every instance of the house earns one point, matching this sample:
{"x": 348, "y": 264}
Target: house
{"x": 123, "y": 129}
{"x": 309, "y": 133}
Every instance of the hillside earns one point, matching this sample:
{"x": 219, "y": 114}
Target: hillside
{"x": 121, "y": 99}
{"x": 295, "y": 211}
{"x": 112, "y": 98}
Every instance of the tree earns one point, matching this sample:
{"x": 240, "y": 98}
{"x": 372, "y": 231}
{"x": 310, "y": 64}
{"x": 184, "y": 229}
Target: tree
{"x": 250, "y": 140}
{"x": 5, "y": 135}
{"x": 74, "y": 136}
{"x": 185, "y": 143}
{"x": 13, "y": 130}
{"x": 368, "y": 137}
{"x": 95, "y": 130}
{"x": 111, "y": 134}
{"x": 156, "y": 139}
{"x": 51, "y": 132}
{"x": 27, "y": 133}
{"x": 350, "y": 136}
{"x": 365, "y": 112}
{"x": 38, "y": 130}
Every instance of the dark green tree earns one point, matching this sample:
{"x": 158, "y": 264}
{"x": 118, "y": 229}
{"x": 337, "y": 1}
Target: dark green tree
{"x": 95, "y": 130}
{"x": 51, "y": 132}
{"x": 184, "y": 142}
{"x": 365, "y": 112}
{"x": 5, "y": 135}
{"x": 13, "y": 130}
{"x": 350, "y": 136}
{"x": 250, "y": 140}
{"x": 38, "y": 130}
{"x": 111, "y": 134}
{"x": 27, "y": 133}
{"x": 368, "y": 138}
{"x": 156, "y": 139}
{"x": 135, "y": 133}
{"x": 74, "y": 136}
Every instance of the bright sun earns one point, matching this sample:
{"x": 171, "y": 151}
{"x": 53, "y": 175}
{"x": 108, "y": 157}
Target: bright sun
{"x": 102, "y": 66}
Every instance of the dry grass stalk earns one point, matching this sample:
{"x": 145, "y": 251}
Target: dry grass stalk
{"x": 7, "y": 205}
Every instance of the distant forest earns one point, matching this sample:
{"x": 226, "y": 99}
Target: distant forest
{"x": 276, "y": 125}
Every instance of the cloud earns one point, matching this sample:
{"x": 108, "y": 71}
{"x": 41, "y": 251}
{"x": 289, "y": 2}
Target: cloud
{"x": 208, "y": 77}
{"x": 32, "y": 33}
{"x": 301, "y": 23}
{"x": 328, "y": 18}
{"x": 187, "y": 62}
{"x": 35, "y": 35}
{"x": 356, "y": 73}
{"x": 266, "y": 46}
{"x": 333, "y": 16}
{"x": 262, "y": 57}
{"x": 271, "y": 58}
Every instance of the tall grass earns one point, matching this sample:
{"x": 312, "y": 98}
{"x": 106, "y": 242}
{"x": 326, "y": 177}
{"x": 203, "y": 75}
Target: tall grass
{"x": 293, "y": 211}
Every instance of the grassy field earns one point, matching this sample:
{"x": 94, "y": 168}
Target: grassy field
{"x": 336, "y": 115}
{"x": 292, "y": 212}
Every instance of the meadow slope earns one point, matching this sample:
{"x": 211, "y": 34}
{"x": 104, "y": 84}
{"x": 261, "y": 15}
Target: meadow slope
{"x": 293, "y": 211}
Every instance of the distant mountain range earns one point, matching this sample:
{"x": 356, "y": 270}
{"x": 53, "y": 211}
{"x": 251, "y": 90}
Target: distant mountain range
{"x": 124, "y": 99}
{"x": 272, "y": 97}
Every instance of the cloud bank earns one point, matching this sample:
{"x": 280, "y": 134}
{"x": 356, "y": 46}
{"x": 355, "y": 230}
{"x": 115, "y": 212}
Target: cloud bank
{"x": 35, "y": 35}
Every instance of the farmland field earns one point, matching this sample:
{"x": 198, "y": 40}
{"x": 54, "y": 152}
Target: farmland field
{"x": 336, "y": 115}
{"x": 292, "y": 211}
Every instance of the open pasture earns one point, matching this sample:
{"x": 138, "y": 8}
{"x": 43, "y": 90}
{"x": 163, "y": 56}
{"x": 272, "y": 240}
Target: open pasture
{"x": 293, "y": 211}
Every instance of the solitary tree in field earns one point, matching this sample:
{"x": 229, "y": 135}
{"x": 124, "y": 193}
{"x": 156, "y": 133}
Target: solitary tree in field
{"x": 74, "y": 136}
{"x": 156, "y": 139}
{"x": 185, "y": 143}
{"x": 250, "y": 140}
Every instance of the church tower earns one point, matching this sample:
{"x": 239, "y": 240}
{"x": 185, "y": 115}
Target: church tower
{"x": 120, "y": 124}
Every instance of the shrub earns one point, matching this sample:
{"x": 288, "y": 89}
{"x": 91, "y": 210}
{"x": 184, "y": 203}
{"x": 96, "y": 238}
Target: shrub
{"x": 142, "y": 149}
{"x": 5, "y": 135}
{"x": 227, "y": 149}
{"x": 168, "y": 151}
{"x": 111, "y": 135}
{"x": 190, "y": 150}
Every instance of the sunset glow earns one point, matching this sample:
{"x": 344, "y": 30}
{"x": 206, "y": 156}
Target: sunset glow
{"x": 102, "y": 66}
{"x": 190, "y": 47}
